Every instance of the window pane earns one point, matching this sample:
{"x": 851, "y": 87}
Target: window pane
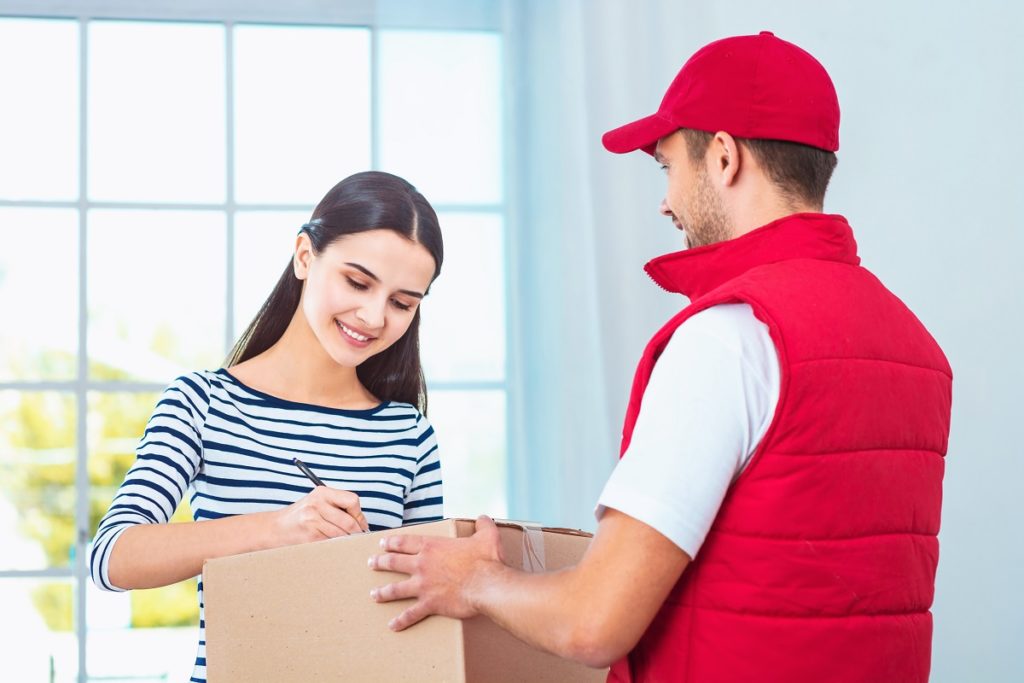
{"x": 467, "y": 301}
{"x": 116, "y": 422}
{"x": 440, "y": 113}
{"x": 470, "y": 427}
{"x": 156, "y": 293}
{"x": 37, "y": 479}
{"x": 129, "y": 654}
{"x": 145, "y": 634}
{"x": 156, "y": 112}
{"x": 39, "y": 616}
{"x": 39, "y": 124}
{"x": 302, "y": 111}
{"x": 264, "y": 243}
{"x": 38, "y": 294}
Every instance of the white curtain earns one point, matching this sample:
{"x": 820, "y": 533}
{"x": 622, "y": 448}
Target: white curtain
{"x": 929, "y": 175}
{"x": 585, "y": 223}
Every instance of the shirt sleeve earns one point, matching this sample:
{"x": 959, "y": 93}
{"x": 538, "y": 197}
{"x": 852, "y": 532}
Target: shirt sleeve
{"x": 424, "y": 501}
{"x": 167, "y": 460}
{"x": 710, "y": 399}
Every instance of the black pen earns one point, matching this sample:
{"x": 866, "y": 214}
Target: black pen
{"x": 308, "y": 472}
{"x": 313, "y": 478}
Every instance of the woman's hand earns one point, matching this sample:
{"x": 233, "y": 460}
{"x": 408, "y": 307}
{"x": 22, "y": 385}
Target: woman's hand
{"x": 323, "y": 513}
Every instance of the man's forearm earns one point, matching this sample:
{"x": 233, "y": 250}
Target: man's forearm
{"x": 593, "y": 613}
{"x": 551, "y": 611}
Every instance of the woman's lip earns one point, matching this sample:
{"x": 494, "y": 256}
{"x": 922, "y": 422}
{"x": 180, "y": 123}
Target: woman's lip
{"x": 357, "y": 330}
{"x": 351, "y": 340}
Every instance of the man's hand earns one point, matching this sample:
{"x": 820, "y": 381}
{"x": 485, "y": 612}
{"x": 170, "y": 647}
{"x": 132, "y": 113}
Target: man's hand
{"x": 443, "y": 572}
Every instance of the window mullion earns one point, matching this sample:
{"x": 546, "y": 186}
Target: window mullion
{"x": 229, "y": 137}
{"x": 375, "y": 98}
{"x": 81, "y": 397}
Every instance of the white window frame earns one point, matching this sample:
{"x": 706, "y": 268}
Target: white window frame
{"x": 469, "y": 15}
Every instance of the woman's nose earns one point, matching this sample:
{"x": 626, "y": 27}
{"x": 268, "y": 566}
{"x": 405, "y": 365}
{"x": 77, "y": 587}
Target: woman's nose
{"x": 371, "y": 314}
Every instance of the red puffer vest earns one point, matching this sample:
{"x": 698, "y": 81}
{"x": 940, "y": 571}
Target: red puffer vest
{"x": 820, "y": 565}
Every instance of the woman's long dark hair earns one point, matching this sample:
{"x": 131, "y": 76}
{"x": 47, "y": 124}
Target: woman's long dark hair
{"x": 361, "y": 202}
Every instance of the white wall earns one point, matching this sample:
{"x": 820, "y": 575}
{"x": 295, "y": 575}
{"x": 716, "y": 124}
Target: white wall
{"x": 930, "y": 177}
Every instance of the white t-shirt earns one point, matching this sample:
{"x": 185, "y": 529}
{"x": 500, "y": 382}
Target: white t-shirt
{"x": 710, "y": 400}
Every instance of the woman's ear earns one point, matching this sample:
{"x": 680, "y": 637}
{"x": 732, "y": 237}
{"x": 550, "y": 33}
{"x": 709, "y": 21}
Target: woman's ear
{"x": 303, "y": 256}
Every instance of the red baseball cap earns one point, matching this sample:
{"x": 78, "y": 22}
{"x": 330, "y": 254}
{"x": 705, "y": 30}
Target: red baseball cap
{"x": 748, "y": 86}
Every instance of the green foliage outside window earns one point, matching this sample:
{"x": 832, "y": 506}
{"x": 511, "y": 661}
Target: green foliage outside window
{"x": 38, "y": 429}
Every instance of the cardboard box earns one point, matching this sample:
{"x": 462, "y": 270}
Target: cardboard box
{"x": 303, "y": 614}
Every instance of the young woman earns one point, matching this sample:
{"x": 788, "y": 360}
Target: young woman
{"x": 328, "y": 372}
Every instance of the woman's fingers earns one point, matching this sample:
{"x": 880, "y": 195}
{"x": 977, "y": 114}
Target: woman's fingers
{"x": 328, "y": 530}
{"x": 349, "y": 503}
{"x": 340, "y": 519}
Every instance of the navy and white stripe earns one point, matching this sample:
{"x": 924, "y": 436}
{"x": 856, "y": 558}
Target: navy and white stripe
{"x": 231, "y": 448}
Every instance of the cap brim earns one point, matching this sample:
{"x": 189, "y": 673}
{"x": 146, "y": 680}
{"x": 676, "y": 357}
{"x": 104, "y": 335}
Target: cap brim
{"x": 641, "y": 134}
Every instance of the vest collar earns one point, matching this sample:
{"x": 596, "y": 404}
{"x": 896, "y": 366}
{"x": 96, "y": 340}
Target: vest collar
{"x": 695, "y": 272}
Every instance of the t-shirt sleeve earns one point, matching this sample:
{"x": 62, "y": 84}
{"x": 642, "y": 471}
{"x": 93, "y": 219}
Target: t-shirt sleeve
{"x": 710, "y": 399}
{"x": 424, "y": 500}
{"x": 167, "y": 460}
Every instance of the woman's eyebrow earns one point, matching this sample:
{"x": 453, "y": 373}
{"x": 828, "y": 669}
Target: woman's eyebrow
{"x": 373, "y": 277}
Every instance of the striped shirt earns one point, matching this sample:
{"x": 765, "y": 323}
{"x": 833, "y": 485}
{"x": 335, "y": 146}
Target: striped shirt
{"x": 231, "y": 448}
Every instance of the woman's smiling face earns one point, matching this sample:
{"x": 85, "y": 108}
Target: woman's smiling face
{"x": 361, "y": 292}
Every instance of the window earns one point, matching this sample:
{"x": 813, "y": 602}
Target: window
{"x": 149, "y": 199}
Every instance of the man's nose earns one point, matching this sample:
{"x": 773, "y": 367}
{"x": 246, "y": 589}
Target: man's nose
{"x": 663, "y": 208}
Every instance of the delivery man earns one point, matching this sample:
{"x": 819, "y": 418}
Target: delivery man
{"x": 774, "y": 516}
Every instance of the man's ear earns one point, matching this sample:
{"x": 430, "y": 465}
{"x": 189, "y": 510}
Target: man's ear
{"x": 725, "y": 159}
{"x": 303, "y": 256}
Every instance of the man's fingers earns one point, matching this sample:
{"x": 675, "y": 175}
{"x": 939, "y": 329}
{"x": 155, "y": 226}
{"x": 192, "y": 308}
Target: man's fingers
{"x": 395, "y": 591}
{"x": 414, "y": 614}
{"x": 486, "y": 526}
{"x": 391, "y": 562}
{"x": 487, "y": 532}
{"x": 410, "y": 545}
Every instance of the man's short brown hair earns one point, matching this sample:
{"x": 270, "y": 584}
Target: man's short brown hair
{"x": 801, "y": 172}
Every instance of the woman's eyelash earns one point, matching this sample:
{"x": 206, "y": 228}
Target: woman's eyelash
{"x": 357, "y": 285}
{"x": 362, "y": 288}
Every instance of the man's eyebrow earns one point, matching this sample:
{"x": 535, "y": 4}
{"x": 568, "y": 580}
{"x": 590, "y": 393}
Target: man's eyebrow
{"x": 657, "y": 157}
{"x": 367, "y": 273}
